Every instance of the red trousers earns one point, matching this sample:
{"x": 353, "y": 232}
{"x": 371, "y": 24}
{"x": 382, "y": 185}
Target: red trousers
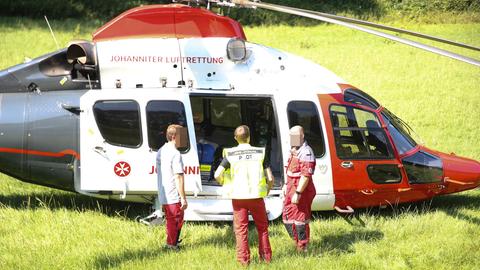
{"x": 174, "y": 217}
{"x": 256, "y": 207}
{"x": 297, "y": 216}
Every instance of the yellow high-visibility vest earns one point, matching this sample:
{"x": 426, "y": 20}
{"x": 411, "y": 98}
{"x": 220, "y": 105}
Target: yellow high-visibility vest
{"x": 246, "y": 179}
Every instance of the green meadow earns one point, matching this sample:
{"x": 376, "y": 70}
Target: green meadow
{"x": 42, "y": 228}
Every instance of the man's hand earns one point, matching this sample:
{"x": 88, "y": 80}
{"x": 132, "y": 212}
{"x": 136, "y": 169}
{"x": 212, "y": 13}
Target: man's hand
{"x": 219, "y": 174}
{"x": 284, "y": 190}
{"x": 183, "y": 203}
{"x": 295, "y": 198}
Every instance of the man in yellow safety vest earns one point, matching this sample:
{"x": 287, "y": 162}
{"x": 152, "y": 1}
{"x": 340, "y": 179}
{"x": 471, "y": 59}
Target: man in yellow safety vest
{"x": 247, "y": 185}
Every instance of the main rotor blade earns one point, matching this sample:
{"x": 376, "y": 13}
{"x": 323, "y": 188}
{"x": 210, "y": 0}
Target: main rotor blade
{"x": 363, "y": 29}
{"x": 390, "y": 28}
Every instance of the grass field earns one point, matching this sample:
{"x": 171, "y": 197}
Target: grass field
{"x": 42, "y": 228}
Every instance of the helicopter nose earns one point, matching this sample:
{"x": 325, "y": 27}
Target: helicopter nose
{"x": 460, "y": 173}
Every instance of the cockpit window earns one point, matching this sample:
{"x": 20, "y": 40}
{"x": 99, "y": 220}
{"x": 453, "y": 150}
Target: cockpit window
{"x": 359, "y": 97}
{"x": 358, "y": 134}
{"x": 400, "y": 132}
{"x": 423, "y": 167}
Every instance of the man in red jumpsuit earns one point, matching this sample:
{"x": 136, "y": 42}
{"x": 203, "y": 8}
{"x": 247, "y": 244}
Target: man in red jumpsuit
{"x": 299, "y": 190}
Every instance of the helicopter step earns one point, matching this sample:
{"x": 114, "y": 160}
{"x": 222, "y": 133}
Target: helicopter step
{"x": 221, "y": 209}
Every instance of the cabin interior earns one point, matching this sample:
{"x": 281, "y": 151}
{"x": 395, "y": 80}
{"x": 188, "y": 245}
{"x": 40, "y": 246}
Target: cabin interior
{"x": 215, "y": 119}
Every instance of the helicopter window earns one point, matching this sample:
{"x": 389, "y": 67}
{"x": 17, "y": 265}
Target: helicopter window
{"x": 360, "y": 98}
{"x": 384, "y": 173}
{"x": 358, "y": 134}
{"x": 399, "y": 131}
{"x": 119, "y": 122}
{"x": 305, "y": 114}
{"x": 225, "y": 112}
{"x": 423, "y": 168}
{"x": 161, "y": 114}
{"x": 197, "y": 109}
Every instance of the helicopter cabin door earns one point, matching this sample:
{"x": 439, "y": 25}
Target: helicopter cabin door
{"x": 120, "y": 134}
{"x": 366, "y": 168}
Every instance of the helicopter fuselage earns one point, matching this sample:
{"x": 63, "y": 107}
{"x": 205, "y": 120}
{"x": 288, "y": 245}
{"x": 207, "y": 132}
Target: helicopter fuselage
{"x": 91, "y": 118}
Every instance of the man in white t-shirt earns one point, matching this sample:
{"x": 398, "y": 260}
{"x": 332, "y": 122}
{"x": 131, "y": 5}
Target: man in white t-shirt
{"x": 171, "y": 191}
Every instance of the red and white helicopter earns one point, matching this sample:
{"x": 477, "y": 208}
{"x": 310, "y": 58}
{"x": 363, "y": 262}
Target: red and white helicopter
{"x": 89, "y": 118}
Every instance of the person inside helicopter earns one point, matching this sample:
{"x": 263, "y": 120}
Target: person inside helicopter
{"x": 215, "y": 118}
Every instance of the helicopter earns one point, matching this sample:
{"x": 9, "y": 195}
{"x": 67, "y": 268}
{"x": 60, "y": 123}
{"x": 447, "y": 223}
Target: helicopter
{"x": 89, "y": 118}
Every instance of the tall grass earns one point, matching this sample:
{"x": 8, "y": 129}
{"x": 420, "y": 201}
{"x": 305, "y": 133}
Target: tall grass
{"x": 50, "y": 233}
{"x": 41, "y": 228}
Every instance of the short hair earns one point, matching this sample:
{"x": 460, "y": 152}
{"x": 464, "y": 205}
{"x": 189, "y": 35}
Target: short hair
{"x": 242, "y": 133}
{"x": 171, "y": 131}
{"x": 297, "y": 128}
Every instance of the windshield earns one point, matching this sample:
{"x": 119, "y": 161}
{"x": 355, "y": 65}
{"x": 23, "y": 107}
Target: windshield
{"x": 400, "y": 131}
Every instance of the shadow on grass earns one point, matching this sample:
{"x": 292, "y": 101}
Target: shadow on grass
{"x": 339, "y": 243}
{"x": 450, "y": 204}
{"x": 109, "y": 261}
{"x": 220, "y": 239}
{"x": 74, "y": 202}
{"x": 343, "y": 242}
{"x": 224, "y": 235}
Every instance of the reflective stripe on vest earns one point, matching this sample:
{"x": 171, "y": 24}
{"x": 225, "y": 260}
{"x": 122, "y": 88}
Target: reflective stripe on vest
{"x": 247, "y": 178}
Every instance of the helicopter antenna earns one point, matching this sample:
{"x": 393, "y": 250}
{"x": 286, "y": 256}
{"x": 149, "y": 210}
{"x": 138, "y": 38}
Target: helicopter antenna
{"x": 51, "y": 32}
{"x": 315, "y": 16}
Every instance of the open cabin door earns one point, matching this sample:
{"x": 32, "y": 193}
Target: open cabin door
{"x": 215, "y": 117}
{"x": 120, "y": 133}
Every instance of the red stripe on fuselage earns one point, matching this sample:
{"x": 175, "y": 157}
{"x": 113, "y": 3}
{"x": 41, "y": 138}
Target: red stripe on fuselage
{"x": 40, "y": 153}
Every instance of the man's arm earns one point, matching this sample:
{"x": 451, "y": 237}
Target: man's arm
{"x": 177, "y": 167}
{"x": 219, "y": 174}
{"x": 180, "y": 184}
{"x": 302, "y": 183}
{"x": 307, "y": 163}
{"x": 270, "y": 178}
{"x": 225, "y": 164}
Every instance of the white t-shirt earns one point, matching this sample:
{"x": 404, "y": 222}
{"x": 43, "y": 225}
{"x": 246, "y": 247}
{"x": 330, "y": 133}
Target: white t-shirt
{"x": 169, "y": 163}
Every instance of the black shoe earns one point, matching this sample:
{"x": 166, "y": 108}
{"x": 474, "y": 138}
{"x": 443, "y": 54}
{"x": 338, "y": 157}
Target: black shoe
{"x": 175, "y": 248}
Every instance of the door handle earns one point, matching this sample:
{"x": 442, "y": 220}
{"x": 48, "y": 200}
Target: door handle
{"x": 368, "y": 191}
{"x": 99, "y": 149}
{"x": 102, "y": 152}
{"x": 347, "y": 164}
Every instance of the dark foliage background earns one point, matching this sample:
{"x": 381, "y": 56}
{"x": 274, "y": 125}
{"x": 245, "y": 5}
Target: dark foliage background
{"x": 105, "y": 10}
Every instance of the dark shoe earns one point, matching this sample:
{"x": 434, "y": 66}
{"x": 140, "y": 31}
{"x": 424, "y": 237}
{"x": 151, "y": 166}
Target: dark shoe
{"x": 302, "y": 250}
{"x": 175, "y": 248}
{"x": 156, "y": 222}
{"x": 266, "y": 259}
